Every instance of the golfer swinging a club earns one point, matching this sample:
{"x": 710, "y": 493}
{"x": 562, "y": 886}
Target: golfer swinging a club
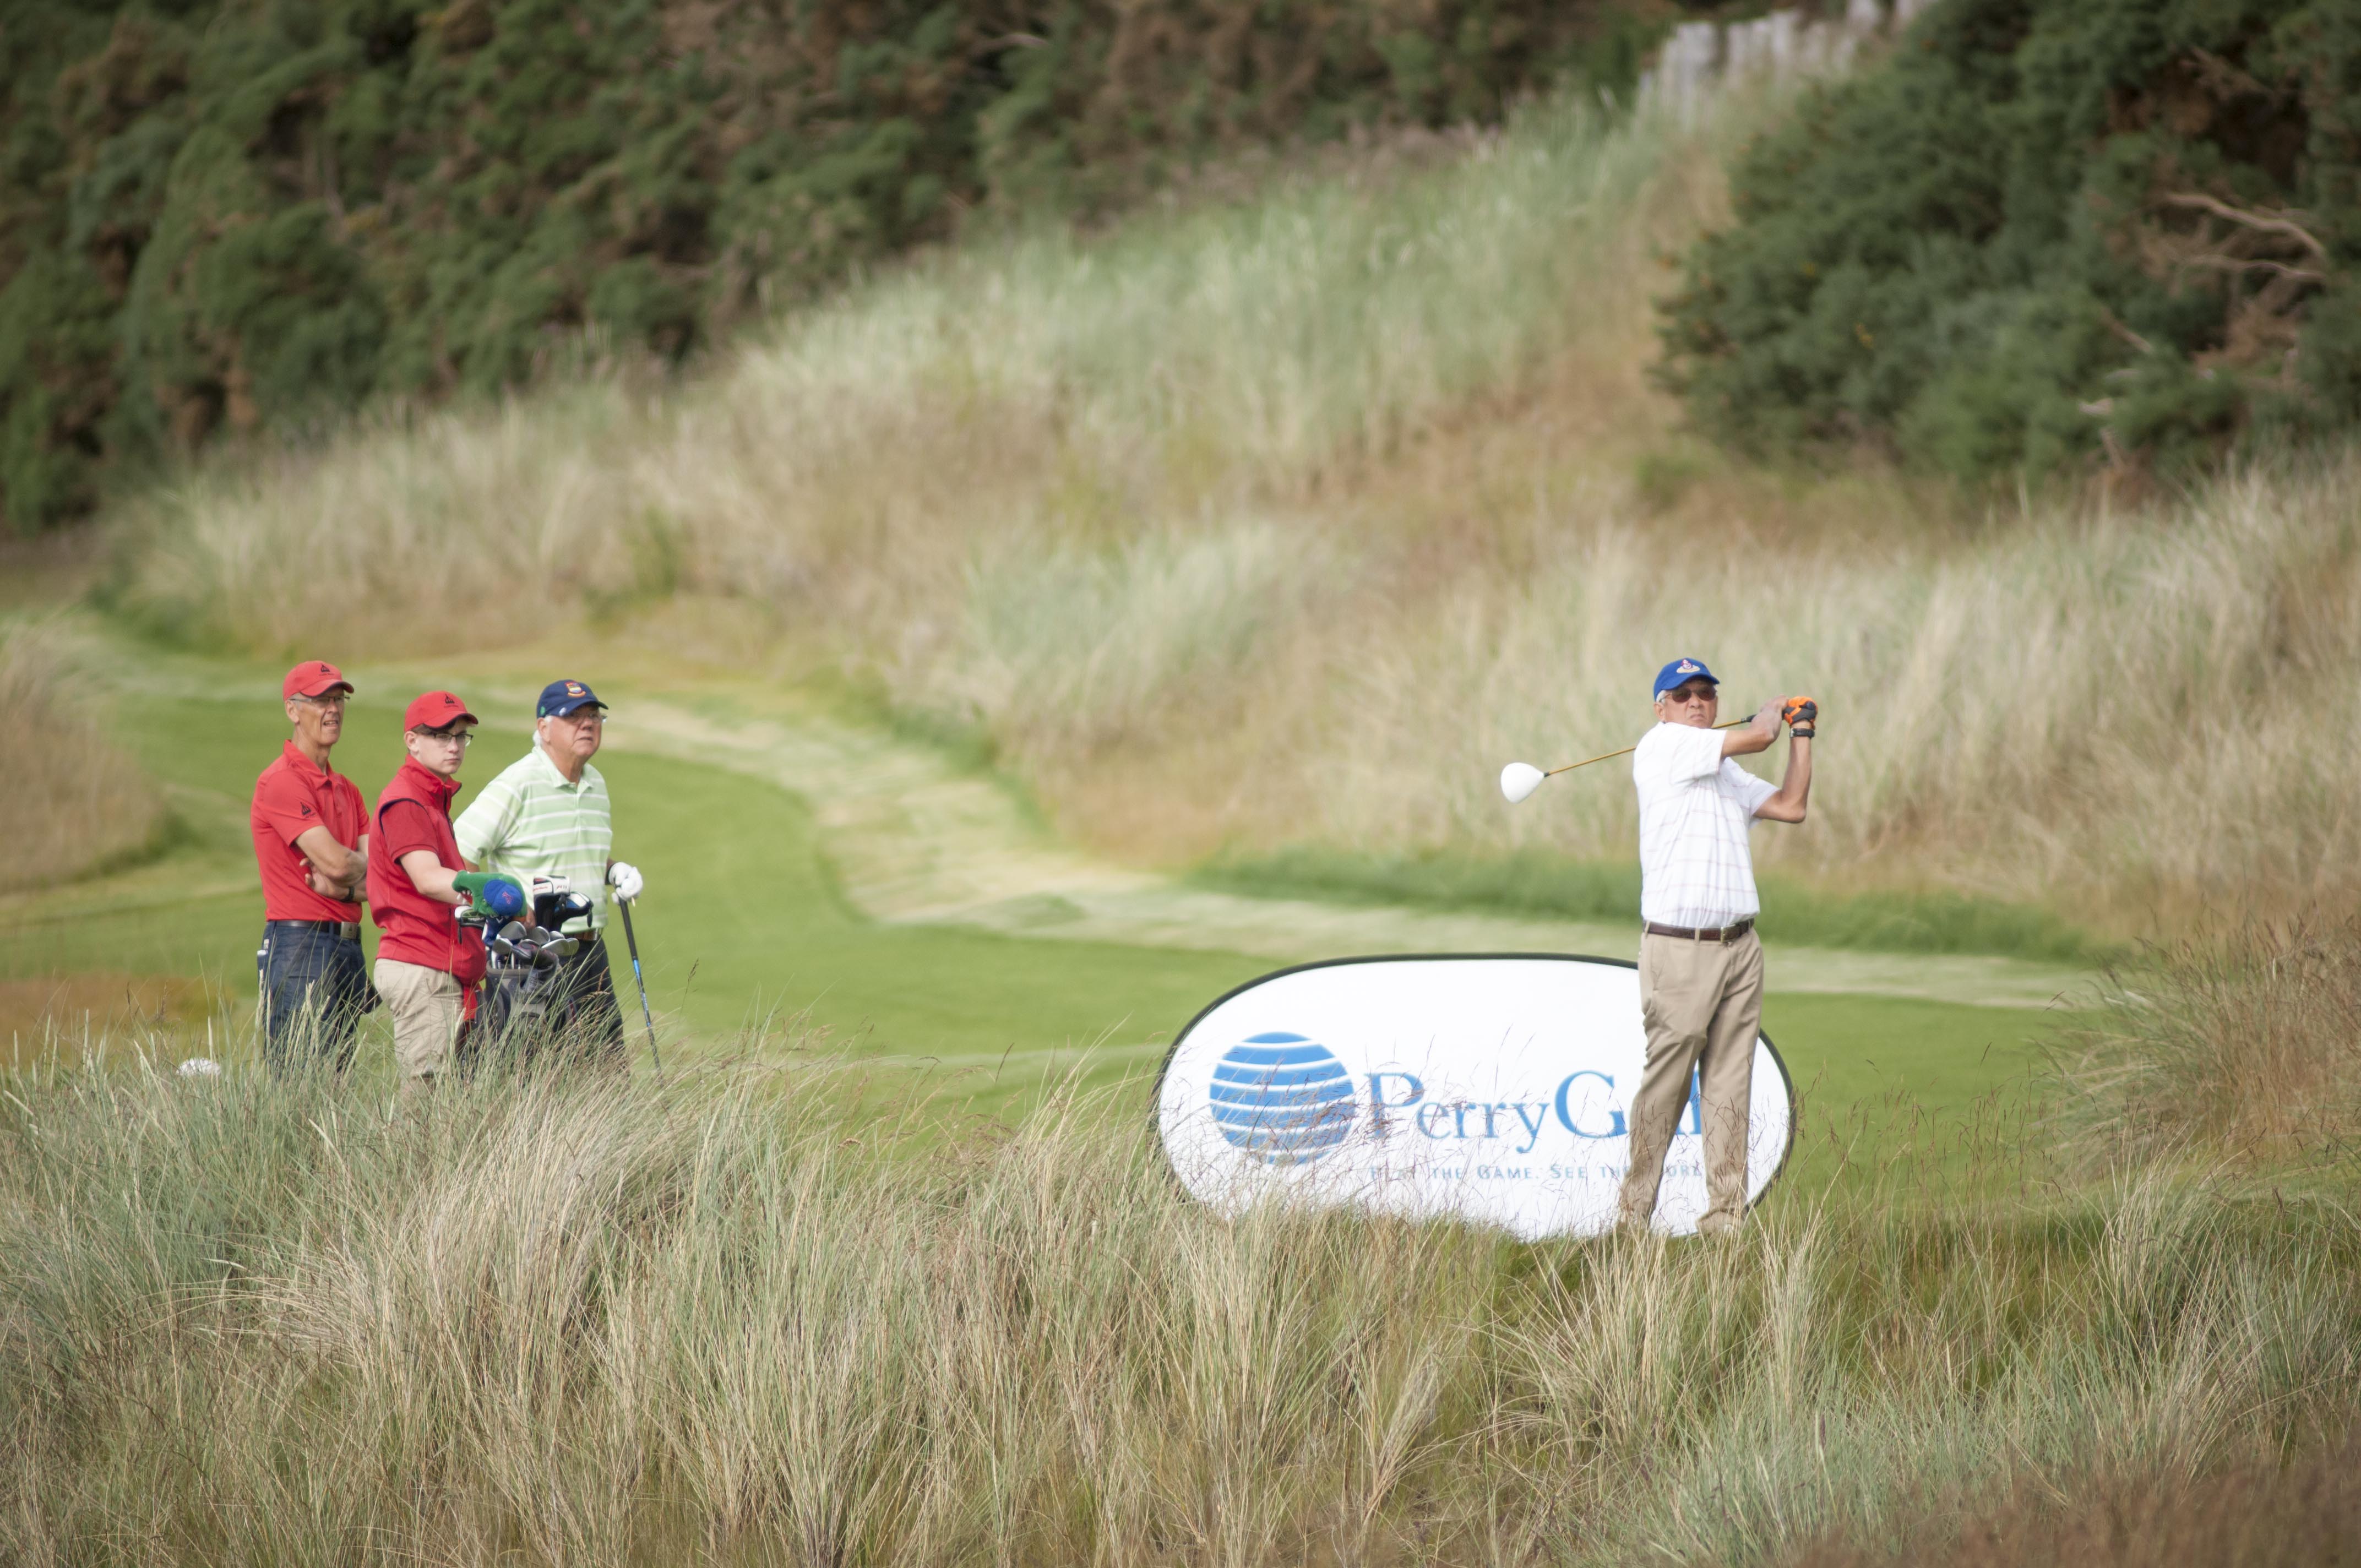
{"x": 1700, "y": 962}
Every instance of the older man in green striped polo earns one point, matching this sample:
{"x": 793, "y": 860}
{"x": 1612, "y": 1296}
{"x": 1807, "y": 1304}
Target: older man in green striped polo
{"x": 547, "y": 816}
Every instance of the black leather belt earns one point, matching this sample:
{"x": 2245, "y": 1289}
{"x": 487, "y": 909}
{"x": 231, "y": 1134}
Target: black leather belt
{"x": 343, "y": 930}
{"x": 1710, "y": 934}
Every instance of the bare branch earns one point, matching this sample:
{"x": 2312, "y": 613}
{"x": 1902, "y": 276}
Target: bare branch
{"x": 2259, "y": 264}
{"x": 2116, "y": 325}
{"x": 2226, "y": 80}
{"x": 2282, "y": 224}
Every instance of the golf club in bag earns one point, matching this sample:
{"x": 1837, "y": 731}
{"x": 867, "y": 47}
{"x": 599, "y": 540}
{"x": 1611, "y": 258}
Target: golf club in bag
{"x": 522, "y": 979}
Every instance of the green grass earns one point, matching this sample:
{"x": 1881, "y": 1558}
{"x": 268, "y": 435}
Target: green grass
{"x": 1544, "y": 884}
{"x": 1883, "y": 1082}
{"x": 743, "y": 924}
{"x": 579, "y": 1321}
{"x": 808, "y": 1305}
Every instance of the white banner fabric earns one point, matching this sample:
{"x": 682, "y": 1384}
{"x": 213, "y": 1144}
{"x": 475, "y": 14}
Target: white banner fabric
{"x": 1492, "y": 1089}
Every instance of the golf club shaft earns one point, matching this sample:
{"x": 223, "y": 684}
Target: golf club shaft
{"x": 1602, "y": 756}
{"x": 633, "y": 941}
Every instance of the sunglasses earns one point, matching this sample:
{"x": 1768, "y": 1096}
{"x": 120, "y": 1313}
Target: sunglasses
{"x": 1692, "y": 694}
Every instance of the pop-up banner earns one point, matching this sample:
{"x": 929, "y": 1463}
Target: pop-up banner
{"x": 1495, "y": 1090}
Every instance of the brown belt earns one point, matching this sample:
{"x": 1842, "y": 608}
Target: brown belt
{"x": 1712, "y": 934}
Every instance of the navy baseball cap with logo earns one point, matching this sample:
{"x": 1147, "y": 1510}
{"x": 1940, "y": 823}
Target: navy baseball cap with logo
{"x": 559, "y": 698}
{"x": 1680, "y": 672}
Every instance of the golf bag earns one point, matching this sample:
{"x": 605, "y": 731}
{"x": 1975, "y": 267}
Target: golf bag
{"x": 525, "y": 1006}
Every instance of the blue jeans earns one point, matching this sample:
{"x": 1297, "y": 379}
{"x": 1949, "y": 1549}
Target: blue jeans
{"x": 315, "y": 990}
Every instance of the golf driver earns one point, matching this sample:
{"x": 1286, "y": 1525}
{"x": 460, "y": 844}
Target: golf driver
{"x": 1519, "y": 779}
{"x": 634, "y": 942}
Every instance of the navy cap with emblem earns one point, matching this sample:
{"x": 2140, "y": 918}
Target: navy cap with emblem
{"x": 1680, "y": 672}
{"x": 559, "y": 698}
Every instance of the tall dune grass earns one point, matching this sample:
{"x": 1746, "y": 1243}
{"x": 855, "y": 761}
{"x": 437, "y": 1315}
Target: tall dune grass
{"x": 70, "y": 798}
{"x": 2235, "y": 1042}
{"x": 2260, "y": 1514}
{"x": 1292, "y": 519}
{"x": 2142, "y": 711}
{"x": 580, "y": 1324}
{"x": 1047, "y": 383}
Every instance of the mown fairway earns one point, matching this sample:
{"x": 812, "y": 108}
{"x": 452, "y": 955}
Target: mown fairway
{"x": 750, "y": 941}
{"x": 742, "y": 928}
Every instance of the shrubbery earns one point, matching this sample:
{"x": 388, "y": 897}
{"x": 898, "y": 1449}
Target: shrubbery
{"x": 2047, "y": 233}
{"x": 222, "y": 214}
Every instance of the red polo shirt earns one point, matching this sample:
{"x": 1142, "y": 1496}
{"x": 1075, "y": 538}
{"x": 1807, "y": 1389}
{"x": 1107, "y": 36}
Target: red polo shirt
{"x": 414, "y": 813}
{"x": 291, "y": 797}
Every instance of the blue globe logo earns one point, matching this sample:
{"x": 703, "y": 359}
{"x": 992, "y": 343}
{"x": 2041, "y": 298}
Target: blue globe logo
{"x": 1283, "y": 1098}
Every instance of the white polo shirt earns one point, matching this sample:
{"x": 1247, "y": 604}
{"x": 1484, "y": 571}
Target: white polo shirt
{"x": 1694, "y": 807}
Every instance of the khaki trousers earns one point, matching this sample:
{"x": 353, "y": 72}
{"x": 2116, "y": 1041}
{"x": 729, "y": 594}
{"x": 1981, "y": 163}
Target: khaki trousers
{"x": 426, "y": 1008}
{"x": 1703, "y": 1005}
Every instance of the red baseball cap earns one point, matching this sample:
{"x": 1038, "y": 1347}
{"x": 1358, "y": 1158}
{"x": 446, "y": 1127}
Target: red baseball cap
{"x": 313, "y": 677}
{"x": 436, "y": 711}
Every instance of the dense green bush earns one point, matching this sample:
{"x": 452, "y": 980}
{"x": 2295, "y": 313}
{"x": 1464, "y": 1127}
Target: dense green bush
{"x": 2047, "y": 233}
{"x": 224, "y": 214}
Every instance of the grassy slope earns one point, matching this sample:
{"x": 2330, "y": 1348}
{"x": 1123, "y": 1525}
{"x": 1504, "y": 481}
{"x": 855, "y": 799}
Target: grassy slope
{"x": 1288, "y": 520}
{"x": 738, "y": 892}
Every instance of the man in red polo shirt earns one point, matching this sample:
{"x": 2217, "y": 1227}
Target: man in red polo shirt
{"x": 427, "y": 965}
{"x": 311, "y": 844}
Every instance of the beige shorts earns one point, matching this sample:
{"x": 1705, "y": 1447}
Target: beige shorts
{"x": 427, "y": 1005}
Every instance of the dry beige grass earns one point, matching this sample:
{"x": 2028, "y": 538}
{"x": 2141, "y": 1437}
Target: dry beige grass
{"x": 68, "y": 798}
{"x": 1293, "y": 519}
{"x": 249, "y": 1322}
{"x": 2264, "y": 1512}
{"x": 2239, "y": 1041}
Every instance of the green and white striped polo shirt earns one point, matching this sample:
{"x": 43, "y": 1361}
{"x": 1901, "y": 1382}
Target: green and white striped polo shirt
{"x": 531, "y": 822}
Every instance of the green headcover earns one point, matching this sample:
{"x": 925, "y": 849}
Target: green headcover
{"x": 502, "y": 895}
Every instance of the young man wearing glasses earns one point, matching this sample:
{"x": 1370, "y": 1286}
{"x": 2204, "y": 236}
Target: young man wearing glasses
{"x": 547, "y": 816}
{"x": 1700, "y": 962}
{"x": 427, "y": 966}
{"x": 311, "y": 839}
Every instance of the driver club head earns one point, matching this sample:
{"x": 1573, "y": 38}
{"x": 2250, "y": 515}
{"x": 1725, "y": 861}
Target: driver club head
{"x": 1519, "y": 779}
